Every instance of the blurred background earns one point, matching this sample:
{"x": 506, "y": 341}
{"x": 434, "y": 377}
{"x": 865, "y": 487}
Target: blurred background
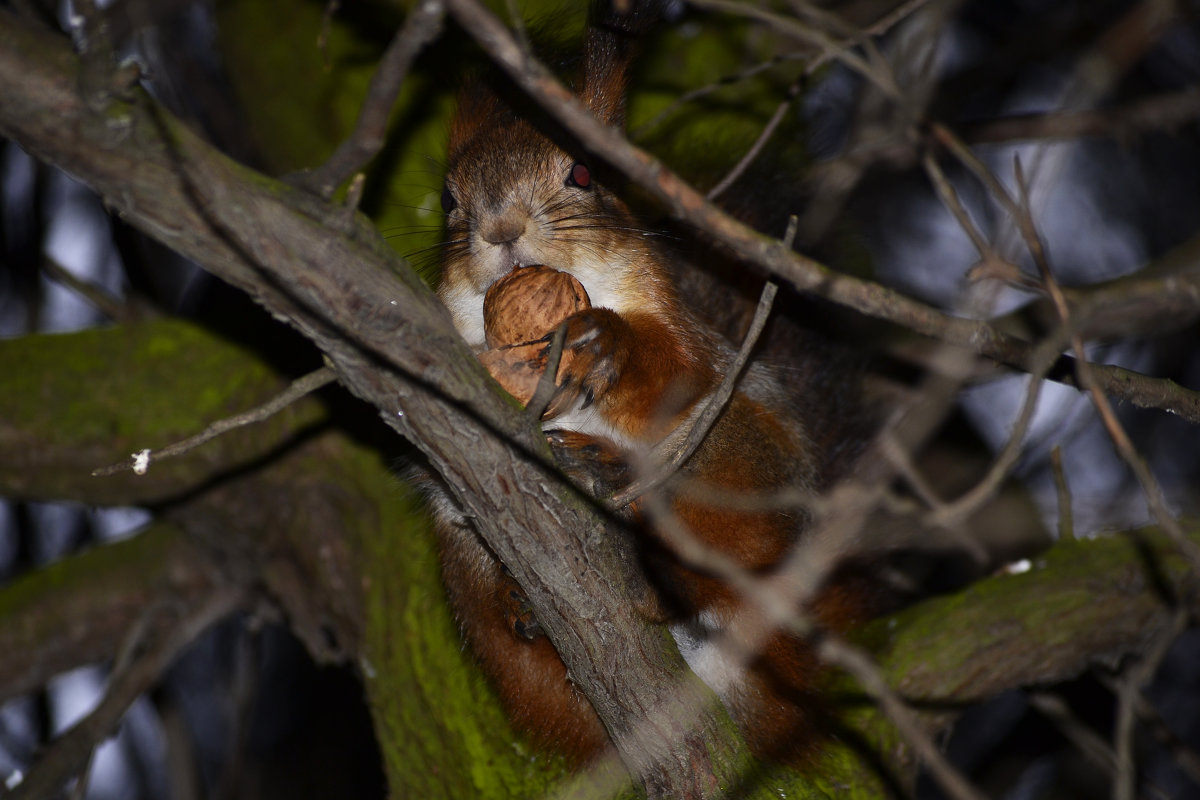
{"x": 1111, "y": 154}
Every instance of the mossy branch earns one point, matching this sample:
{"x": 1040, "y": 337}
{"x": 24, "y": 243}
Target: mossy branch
{"x": 75, "y": 611}
{"x": 328, "y": 273}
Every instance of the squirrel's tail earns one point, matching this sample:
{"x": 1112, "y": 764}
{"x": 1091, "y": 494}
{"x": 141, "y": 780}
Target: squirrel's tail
{"x": 615, "y": 31}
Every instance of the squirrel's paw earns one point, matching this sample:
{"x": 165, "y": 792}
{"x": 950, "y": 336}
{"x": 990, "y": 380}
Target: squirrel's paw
{"x": 594, "y": 341}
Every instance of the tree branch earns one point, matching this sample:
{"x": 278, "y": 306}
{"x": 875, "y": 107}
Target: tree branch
{"x": 422, "y": 26}
{"x": 392, "y": 344}
{"x": 70, "y": 613}
{"x": 69, "y": 754}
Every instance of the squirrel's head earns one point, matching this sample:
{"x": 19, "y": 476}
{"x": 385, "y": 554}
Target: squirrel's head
{"x": 519, "y": 193}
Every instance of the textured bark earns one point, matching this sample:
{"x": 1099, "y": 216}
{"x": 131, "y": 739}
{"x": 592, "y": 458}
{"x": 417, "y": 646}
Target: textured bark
{"x": 392, "y": 345}
{"x": 322, "y": 526}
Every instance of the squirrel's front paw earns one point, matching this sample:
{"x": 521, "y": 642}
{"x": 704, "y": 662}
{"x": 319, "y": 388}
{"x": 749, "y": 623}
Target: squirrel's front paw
{"x": 595, "y": 341}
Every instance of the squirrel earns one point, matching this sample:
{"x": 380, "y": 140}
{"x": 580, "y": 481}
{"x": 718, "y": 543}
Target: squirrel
{"x": 646, "y": 356}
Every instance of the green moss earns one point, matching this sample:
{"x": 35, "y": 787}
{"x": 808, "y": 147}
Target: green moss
{"x": 302, "y": 102}
{"x": 430, "y": 702}
{"x": 78, "y": 384}
{"x": 50, "y": 596}
{"x": 1065, "y": 591}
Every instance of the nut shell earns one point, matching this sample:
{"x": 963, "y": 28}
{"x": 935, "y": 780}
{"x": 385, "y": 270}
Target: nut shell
{"x": 517, "y": 368}
{"x": 529, "y": 303}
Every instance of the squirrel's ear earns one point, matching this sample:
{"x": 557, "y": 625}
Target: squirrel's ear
{"x": 614, "y": 28}
{"x": 477, "y": 108}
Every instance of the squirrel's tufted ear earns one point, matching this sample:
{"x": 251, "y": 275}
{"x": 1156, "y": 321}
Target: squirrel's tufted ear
{"x": 614, "y": 30}
{"x": 478, "y": 109}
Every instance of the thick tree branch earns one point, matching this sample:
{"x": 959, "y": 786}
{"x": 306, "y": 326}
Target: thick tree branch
{"x": 1081, "y": 603}
{"x": 393, "y": 345}
{"x": 71, "y": 613}
{"x": 53, "y": 441}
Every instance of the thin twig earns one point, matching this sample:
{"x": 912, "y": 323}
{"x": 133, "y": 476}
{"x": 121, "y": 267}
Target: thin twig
{"x": 423, "y": 25}
{"x": 985, "y": 488}
{"x": 1066, "y": 524}
{"x": 1160, "y": 112}
{"x": 950, "y": 199}
{"x": 831, "y": 49}
{"x": 1085, "y": 740}
{"x": 878, "y": 28}
{"x": 300, "y": 387}
{"x": 132, "y": 644}
{"x": 701, "y": 425}
{"x": 1150, "y": 485}
{"x": 859, "y": 664}
{"x": 1128, "y": 689}
{"x": 1124, "y": 785}
{"x": 104, "y": 302}
{"x": 703, "y": 557}
{"x": 951, "y": 514}
{"x": 1185, "y": 756}
{"x": 67, "y": 754}
{"x": 701, "y": 92}
{"x": 755, "y": 149}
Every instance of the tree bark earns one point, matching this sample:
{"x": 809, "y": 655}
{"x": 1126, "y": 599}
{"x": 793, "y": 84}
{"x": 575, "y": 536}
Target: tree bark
{"x": 333, "y": 560}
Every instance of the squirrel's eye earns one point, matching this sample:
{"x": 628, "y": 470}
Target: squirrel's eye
{"x": 448, "y": 201}
{"x": 579, "y": 176}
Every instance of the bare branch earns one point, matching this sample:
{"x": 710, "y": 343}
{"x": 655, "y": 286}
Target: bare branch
{"x": 860, "y": 665}
{"x": 829, "y": 48}
{"x": 1066, "y": 525}
{"x": 1150, "y": 485}
{"x": 1161, "y": 112}
{"x": 299, "y": 388}
{"x": 102, "y": 591}
{"x": 104, "y": 302}
{"x": 69, "y": 753}
{"x": 665, "y": 464}
{"x": 423, "y": 25}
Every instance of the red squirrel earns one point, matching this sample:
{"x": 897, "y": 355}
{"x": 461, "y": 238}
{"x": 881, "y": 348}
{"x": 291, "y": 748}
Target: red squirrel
{"x": 644, "y": 362}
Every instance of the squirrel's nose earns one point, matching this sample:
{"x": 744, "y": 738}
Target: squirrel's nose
{"x": 504, "y": 228}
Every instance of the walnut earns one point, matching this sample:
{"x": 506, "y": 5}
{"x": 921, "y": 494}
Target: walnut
{"x": 529, "y": 303}
{"x": 526, "y": 305}
{"x": 518, "y": 368}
